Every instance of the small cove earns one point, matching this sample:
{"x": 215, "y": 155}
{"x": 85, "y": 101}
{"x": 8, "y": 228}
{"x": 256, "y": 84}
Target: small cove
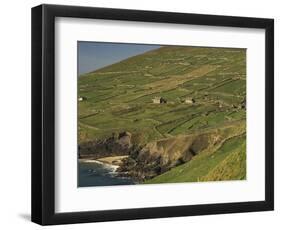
{"x": 96, "y": 173}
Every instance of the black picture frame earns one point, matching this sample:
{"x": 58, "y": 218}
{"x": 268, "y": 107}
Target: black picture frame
{"x": 43, "y": 114}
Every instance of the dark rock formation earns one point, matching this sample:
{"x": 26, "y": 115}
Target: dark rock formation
{"x": 160, "y": 156}
{"x": 155, "y": 158}
{"x": 116, "y": 145}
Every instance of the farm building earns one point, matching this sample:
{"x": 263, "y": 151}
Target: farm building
{"x": 82, "y": 98}
{"x": 189, "y": 101}
{"x": 243, "y": 104}
{"x": 159, "y": 100}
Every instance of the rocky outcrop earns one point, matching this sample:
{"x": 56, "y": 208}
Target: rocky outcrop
{"x": 158, "y": 157}
{"x": 116, "y": 145}
{"x": 153, "y": 159}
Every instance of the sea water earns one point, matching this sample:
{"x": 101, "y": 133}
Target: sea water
{"x": 100, "y": 174}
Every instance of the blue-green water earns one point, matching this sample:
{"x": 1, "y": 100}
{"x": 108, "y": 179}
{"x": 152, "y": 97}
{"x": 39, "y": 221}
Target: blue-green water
{"x": 97, "y": 174}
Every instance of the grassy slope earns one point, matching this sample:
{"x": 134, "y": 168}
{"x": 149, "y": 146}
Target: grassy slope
{"x": 225, "y": 163}
{"x": 119, "y": 98}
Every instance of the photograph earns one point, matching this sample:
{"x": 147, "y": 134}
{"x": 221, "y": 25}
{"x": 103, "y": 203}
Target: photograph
{"x": 152, "y": 114}
{"x": 141, "y": 114}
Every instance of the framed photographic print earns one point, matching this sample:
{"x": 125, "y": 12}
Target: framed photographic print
{"x": 141, "y": 114}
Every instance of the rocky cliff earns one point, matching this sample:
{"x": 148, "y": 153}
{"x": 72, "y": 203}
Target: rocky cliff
{"x": 116, "y": 145}
{"x": 158, "y": 157}
{"x": 146, "y": 162}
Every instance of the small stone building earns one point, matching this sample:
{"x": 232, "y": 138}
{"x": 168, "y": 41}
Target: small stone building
{"x": 243, "y": 104}
{"x": 159, "y": 100}
{"x": 189, "y": 100}
{"x": 82, "y": 98}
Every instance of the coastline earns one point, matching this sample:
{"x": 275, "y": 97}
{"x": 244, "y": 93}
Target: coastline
{"x": 102, "y": 172}
{"x": 113, "y": 162}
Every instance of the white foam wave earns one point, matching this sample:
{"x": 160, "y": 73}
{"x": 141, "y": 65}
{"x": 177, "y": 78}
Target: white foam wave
{"x": 110, "y": 167}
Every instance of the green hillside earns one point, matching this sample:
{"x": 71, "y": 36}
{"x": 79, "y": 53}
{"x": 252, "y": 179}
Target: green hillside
{"x": 228, "y": 162}
{"x": 203, "y": 91}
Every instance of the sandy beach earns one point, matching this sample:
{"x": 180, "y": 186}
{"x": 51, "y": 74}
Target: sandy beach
{"x": 114, "y": 160}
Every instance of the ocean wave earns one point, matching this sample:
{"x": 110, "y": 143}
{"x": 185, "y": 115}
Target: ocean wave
{"x": 107, "y": 166}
